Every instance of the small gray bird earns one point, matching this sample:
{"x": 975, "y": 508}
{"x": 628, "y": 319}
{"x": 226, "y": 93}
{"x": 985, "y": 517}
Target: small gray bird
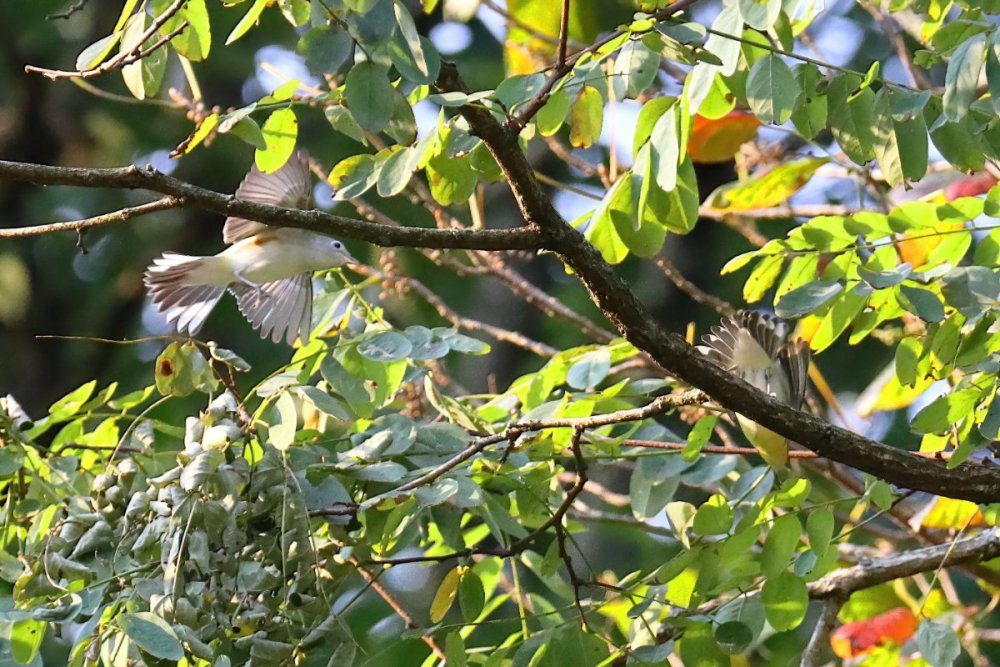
{"x": 268, "y": 269}
{"x": 756, "y": 347}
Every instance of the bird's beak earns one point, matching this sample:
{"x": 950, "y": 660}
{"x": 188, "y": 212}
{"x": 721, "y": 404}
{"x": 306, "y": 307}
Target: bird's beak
{"x": 350, "y": 258}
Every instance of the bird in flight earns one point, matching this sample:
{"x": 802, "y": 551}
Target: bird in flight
{"x": 758, "y": 348}
{"x": 268, "y": 269}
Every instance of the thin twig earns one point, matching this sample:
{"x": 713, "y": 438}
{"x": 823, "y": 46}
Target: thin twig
{"x": 121, "y": 215}
{"x": 563, "y": 34}
{"x": 68, "y": 12}
{"x": 697, "y": 294}
{"x": 405, "y": 616}
{"x": 123, "y": 58}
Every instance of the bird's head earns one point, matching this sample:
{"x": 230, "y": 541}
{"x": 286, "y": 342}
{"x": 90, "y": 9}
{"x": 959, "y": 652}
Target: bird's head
{"x": 339, "y": 254}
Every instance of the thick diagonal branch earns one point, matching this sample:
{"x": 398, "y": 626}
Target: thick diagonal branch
{"x": 611, "y": 293}
{"x": 523, "y": 238}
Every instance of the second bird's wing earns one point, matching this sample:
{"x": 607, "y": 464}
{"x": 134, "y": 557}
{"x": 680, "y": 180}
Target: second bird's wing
{"x": 288, "y": 187}
{"x": 281, "y": 309}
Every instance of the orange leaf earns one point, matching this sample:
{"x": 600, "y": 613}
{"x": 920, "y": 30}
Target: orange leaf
{"x": 720, "y": 139}
{"x": 853, "y": 639}
{"x": 916, "y": 248}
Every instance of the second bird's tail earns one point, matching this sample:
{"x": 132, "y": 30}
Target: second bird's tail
{"x": 175, "y": 289}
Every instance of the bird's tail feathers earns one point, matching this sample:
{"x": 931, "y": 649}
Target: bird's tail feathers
{"x": 177, "y": 293}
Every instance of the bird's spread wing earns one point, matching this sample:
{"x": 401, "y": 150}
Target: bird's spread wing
{"x": 281, "y": 309}
{"x": 769, "y": 332}
{"x": 288, "y": 187}
{"x": 795, "y": 360}
{"x": 742, "y": 338}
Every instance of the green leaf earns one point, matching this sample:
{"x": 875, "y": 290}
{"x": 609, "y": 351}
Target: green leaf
{"x": 762, "y": 277}
{"x": 851, "y": 117}
{"x": 946, "y": 411}
{"x": 586, "y": 117}
{"x": 181, "y": 369}
{"x": 819, "y": 528}
{"x": 368, "y": 94}
{"x": 281, "y": 434}
{"x": 938, "y": 644}
{"x": 248, "y": 21}
{"x": 676, "y": 209}
{"x": 471, "y": 595}
{"x": 452, "y": 180}
{"x": 341, "y": 119}
{"x": 635, "y": 70}
{"x": 780, "y": 544}
{"x": 649, "y": 114}
{"x": 772, "y": 89}
{"x": 760, "y": 14}
{"x": 325, "y": 48}
{"x": 842, "y": 312}
{"x": 990, "y": 426}
{"x": 26, "y": 637}
{"x": 962, "y": 77}
{"x": 900, "y": 146}
{"x": 397, "y": 171}
{"x": 921, "y": 302}
{"x": 993, "y": 69}
{"x": 714, "y": 517}
{"x": 280, "y": 130}
{"x": 552, "y": 115}
{"x": 907, "y": 359}
{"x": 733, "y": 637}
{"x": 698, "y": 648}
{"x": 808, "y": 298}
{"x": 195, "y": 41}
{"x": 590, "y": 370}
{"x": 353, "y": 176}
{"x": 516, "y": 90}
{"x": 809, "y": 116}
{"x": 883, "y": 279}
{"x": 408, "y": 31}
{"x": 665, "y": 150}
{"x": 785, "y": 599}
{"x": 142, "y": 78}
{"x": 970, "y": 289}
{"x": 153, "y": 635}
{"x": 94, "y": 55}
{"x": 385, "y": 347}
{"x": 698, "y": 436}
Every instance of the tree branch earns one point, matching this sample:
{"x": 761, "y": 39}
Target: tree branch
{"x": 821, "y": 633}
{"x": 134, "y": 177}
{"x": 121, "y": 215}
{"x": 866, "y": 574}
{"x": 975, "y": 482}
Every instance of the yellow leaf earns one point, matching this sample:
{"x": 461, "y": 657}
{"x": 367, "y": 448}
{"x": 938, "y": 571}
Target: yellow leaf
{"x": 445, "y": 595}
{"x": 772, "y": 188}
{"x": 952, "y": 514}
{"x": 587, "y": 117}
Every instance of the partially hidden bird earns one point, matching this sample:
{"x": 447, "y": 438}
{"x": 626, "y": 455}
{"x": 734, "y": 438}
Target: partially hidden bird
{"x": 759, "y": 349}
{"x": 268, "y": 269}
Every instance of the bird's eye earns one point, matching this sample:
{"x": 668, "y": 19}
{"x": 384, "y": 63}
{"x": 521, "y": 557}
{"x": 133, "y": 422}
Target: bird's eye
{"x": 338, "y": 244}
